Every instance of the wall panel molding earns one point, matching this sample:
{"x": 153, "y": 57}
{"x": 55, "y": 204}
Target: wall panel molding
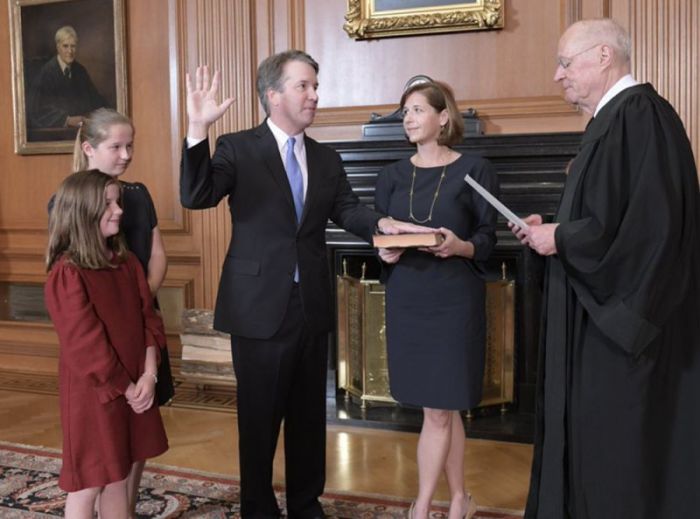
{"x": 297, "y": 24}
{"x": 572, "y": 11}
{"x": 506, "y": 115}
{"x": 488, "y": 108}
{"x": 181, "y": 221}
{"x": 219, "y": 33}
{"x": 28, "y": 338}
{"x": 666, "y": 52}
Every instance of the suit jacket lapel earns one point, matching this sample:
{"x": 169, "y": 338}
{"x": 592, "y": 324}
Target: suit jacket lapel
{"x": 273, "y": 161}
{"x": 314, "y": 172}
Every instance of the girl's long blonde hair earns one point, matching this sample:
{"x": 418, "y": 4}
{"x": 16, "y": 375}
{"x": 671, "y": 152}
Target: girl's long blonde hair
{"x": 74, "y": 223}
{"x": 95, "y": 129}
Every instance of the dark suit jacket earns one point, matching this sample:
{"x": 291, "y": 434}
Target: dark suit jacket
{"x": 258, "y": 271}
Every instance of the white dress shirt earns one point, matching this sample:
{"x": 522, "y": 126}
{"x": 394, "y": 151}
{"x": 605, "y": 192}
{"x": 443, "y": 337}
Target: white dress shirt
{"x": 299, "y": 150}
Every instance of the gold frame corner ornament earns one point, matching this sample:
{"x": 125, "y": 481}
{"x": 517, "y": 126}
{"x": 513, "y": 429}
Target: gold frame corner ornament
{"x": 362, "y": 22}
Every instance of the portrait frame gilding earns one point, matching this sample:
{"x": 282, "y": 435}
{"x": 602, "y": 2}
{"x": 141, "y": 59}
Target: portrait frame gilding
{"x": 367, "y": 19}
{"x": 101, "y": 29}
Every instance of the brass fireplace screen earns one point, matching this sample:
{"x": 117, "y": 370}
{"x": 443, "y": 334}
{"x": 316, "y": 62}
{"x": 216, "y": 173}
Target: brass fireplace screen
{"x": 362, "y": 363}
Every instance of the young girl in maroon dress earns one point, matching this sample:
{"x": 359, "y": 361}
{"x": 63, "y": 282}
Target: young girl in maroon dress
{"x": 110, "y": 338}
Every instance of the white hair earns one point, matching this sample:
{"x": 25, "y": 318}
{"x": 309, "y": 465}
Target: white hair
{"x": 66, "y": 32}
{"x": 607, "y": 31}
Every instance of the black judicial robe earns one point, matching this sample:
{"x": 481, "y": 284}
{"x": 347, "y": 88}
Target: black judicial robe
{"x": 53, "y": 97}
{"x": 618, "y": 401}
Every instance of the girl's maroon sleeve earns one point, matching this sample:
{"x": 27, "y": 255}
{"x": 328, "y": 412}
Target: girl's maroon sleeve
{"x": 84, "y": 344}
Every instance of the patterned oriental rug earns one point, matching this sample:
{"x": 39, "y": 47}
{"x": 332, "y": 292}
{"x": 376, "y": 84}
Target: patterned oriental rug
{"x": 29, "y": 489}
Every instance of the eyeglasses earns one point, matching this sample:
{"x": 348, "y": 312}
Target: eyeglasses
{"x": 565, "y": 62}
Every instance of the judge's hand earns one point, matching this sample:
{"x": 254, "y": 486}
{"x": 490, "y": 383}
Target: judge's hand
{"x": 539, "y": 236}
{"x": 451, "y": 246}
{"x": 541, "y": 239}
{"x": 392, "y": 255}
{"x": 388, "y": 225}
{"x": 532, "y": 220}
{"x": 202, "y": 107}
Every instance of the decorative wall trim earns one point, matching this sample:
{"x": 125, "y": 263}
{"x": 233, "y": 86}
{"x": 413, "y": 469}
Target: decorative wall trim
{"x": 297, "y": 24}
{"x": 572, "y": 11}
{"x": 507, "y": 107}
{"x": 28, "y": 339}
{"x": 271, "y": 24}
{"x": 364, "y": 22}
{"x": 181, "y": 220}
{"x": 219, "y": 33}
{"x": 522, "y": 107}
{"x": 29, "y": 348}
{"x": 665, "y": 51}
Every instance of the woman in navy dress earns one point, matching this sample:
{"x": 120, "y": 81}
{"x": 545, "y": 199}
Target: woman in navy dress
{"x": 435, "y": 297}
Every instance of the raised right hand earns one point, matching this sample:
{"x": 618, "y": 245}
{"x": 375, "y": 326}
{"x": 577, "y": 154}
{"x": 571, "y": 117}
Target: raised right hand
{"x": 202, "y": 107}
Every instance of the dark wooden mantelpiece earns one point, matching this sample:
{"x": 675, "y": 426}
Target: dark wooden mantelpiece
{"x": 531, "y": 171}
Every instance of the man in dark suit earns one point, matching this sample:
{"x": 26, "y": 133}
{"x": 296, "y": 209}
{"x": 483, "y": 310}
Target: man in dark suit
{"x": 274, "y": 295}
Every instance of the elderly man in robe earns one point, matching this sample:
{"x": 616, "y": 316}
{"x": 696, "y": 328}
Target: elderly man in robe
{"x": 618, "y": 404}
{"x": 62, "y": 92}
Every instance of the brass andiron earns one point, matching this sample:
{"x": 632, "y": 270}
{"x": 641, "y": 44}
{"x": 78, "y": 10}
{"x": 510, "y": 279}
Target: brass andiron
{"x": 362, "y": 365}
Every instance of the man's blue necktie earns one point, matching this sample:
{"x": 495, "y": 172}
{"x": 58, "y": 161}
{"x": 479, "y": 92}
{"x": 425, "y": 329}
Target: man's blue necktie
{"x": 296, "y": 182}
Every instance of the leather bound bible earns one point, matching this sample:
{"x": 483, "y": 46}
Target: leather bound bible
{"x": 424, "y": 239}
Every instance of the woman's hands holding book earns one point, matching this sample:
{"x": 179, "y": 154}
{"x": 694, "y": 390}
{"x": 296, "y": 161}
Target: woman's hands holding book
{"x": 451, "y": 246}
{"x": 392, "y": 255}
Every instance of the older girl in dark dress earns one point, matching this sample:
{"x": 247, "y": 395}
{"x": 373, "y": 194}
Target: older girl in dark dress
{"x": 435, "y": 306}
{"x": 105, "y": 142}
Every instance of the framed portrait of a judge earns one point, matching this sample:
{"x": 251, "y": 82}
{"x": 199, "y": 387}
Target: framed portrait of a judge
{"x": 68, "y": 58}
{"x": 368, "y": 19}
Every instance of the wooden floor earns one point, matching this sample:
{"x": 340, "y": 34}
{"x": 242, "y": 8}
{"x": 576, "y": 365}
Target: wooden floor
{"x": 359, "y": 459}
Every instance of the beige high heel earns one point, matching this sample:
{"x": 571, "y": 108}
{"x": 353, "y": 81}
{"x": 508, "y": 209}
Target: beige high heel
{"x": 471, "y": 507}
{"x": 409, "y": 514}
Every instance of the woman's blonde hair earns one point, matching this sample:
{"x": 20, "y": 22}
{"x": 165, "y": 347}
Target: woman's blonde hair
{"x": 95, "y": 129}
{"x": 74, "y": 223}
{"x": 440, "y": 97}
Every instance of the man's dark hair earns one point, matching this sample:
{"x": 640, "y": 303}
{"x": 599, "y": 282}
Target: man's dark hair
{"x": 271, "y": 69}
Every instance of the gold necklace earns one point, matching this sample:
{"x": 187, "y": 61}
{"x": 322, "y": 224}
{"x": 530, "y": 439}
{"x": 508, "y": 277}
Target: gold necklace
{"x": 435, "y": 196}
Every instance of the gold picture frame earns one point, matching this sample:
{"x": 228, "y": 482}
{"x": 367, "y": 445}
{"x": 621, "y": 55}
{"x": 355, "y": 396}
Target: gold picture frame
{"x": 368, "y": 19}
{"x": 50, "y": 95}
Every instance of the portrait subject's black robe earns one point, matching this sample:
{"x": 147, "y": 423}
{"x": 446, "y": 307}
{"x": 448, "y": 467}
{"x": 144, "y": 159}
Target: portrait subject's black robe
{"x": 53, "y": 97}
{"x": 618, "y": 400}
